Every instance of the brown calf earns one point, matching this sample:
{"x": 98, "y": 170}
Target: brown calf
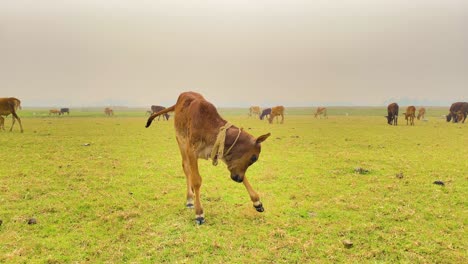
{"x": 108, "y": 111}
{"x": 421, "y": 113}
{"x": 410, "y": 114}
{"x": 392, "y": 117}
{"x": 2, "y": 123}
{"x": 321, "y": 111}
{"x": 254, "y": 110}
{"x": 9, "y": 106}
{"x": 202, "y": 133}
{"x": 276, "y": 112}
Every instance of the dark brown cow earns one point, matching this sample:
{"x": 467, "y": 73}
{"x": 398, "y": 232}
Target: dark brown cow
{"x": 202, "y": 133}
{"x": 9, "y": 106}
{"x": 65, "y": 110}
{"x": 392, "y": 117}
{"x": 421, "y": 113}
{"x": 410, "y": 115}
{"x": 276, "y": 112}
{"x": 158, "y": 108}
{"x": 454, "y": 109}
{"x": 321, "y": 111}
{"x": 108, "y": 111}
{"x": 265, "y": 113}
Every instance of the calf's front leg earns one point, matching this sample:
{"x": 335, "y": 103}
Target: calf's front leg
{"x": 253, "y": 196}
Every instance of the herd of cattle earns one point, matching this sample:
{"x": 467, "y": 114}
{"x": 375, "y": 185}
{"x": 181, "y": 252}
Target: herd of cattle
{"x": 457, "y": 113}
{"x": 202, "y": 133}
{"x": 271, "y": 113}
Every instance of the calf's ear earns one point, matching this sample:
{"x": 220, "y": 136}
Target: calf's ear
{"x": 262, "y": 138}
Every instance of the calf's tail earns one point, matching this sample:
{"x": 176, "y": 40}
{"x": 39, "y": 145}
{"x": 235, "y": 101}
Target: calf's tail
{"x": 153, "y": 116}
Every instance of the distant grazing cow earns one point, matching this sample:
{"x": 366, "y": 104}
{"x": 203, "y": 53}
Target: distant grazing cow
{"x": 421, "y": 113}
{"x": 254, "y": 110}
{"x": 392, "y": 116}
{"x": 65, "y": 110}
{"x": 454, "y": 109}
{"x": 266, "y": 112}
{"x": 108, "y": 111}
{"x": 9, "y": 106}
{"x": 202, "y": 133}
{"x": 54, "y": 112}
{"x": 410, "y": 115}
{"x": 321, "y": 111}
{"x": 276, "y": 112}
{"x": 158, "y": 108}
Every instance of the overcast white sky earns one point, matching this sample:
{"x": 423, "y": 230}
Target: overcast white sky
{"x": 234, "y": 52}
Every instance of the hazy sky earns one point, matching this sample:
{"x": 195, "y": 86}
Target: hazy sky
{"x": 234, "y": 52}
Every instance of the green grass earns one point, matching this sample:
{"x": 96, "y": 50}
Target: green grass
{"x": 122, "y": 198}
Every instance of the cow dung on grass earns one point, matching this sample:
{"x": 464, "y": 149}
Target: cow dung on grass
{"x": 32, "y": 221}
{"x": 441, "y": 183}
{"x": 361, "y": 170}
{"x": 347, "y": 243}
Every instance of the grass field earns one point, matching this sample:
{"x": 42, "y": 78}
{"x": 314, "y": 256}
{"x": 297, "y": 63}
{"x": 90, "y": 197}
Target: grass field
{"x": 109, "y": 190}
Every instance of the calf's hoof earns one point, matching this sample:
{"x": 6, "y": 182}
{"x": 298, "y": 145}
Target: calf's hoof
{"x": 189, "y": 206}
{"x": 200, "y": 220}
{"x": 259, "y": 208}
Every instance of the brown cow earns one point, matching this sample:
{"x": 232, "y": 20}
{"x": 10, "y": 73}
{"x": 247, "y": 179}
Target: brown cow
{"x": 55, "y": 112}
{"x": 254, "y": 110}
{"x": 392, "y": 117}
{"x": 2, "y": 123}
{"x": 108, "y": 111}
{"x": 276, "y": 112}
{"x": 421, "y": 113}
{"x": 410, "y": 114}
{"x": 9, "y": 106}
{"x": 321, "y": 111}
{"x": 454, "y": 109}
{"x": 202, "y": 133}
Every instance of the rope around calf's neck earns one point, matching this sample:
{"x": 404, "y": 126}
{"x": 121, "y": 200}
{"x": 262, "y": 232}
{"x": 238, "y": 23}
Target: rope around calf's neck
{"x": 218, "y": 148}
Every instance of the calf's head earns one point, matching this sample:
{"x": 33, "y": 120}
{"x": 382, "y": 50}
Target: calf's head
{"x": 244, "y": 153}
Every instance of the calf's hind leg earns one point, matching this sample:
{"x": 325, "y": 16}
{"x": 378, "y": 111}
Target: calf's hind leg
{"x": 196, "y": 182}
{"x": 186, "y": 168}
